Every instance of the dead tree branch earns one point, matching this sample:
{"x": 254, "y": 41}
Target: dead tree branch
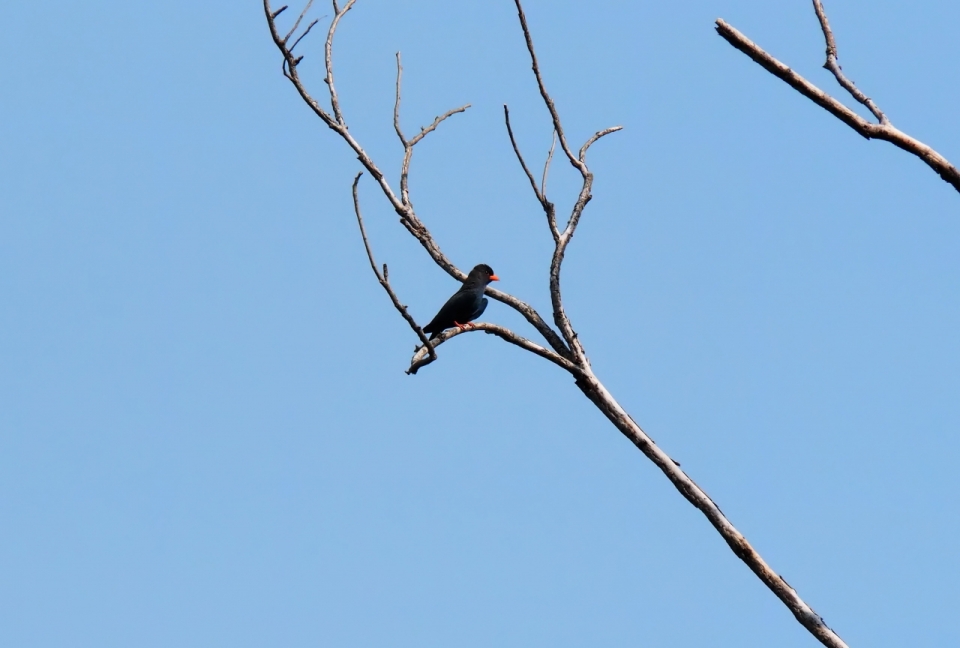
{"x": 548, "y": 207}
{"x": 408, "y": 217}
{"x": 884, "y": 130}
{"x": 421, "y": 359}
{"x": 384, "y": 278}
{"x": 565, "y": 349}
{"x": 561, "y": 239}
{"x": 409, "y": 144}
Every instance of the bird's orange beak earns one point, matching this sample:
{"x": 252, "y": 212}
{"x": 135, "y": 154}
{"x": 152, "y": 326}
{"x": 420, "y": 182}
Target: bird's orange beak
{"x": 494, "y": 278}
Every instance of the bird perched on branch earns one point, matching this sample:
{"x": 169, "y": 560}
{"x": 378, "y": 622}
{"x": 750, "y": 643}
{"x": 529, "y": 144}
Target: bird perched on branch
{"x": 466, "y": 305}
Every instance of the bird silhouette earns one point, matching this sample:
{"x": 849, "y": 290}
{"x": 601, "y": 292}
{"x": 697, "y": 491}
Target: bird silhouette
{"x": 466, "y": 305}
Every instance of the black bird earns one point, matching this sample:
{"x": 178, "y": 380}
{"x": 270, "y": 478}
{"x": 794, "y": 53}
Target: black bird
{"x": 466, "y": 305}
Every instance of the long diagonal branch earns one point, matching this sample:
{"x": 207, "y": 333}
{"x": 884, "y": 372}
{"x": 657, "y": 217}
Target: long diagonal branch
{"x": 884, "y": 130}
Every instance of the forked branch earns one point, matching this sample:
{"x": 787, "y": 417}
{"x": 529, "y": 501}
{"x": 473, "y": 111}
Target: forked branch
{"x": 421, "y": 354}
{"x": 408, "y": 217}
{"x": 409, "y": 144}
{"x": 566, "y": 350}
{"x": 884, "y": 130}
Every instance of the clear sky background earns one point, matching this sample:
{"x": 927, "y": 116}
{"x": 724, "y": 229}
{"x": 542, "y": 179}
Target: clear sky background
{"x": 206, "y": 434}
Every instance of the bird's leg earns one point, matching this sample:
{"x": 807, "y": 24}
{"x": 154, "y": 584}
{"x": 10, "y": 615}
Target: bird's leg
{"x": 462, "y": 327}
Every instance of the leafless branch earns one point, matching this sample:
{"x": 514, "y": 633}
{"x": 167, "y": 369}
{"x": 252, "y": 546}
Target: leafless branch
{"x": 516, "y": 150}
{"x": 303, "y": 35}
{"x": 567, "y": 352}
{"x": 562, "y": 240}
{"x": 408, "y": 218}
{"x": 328, "y": 58}
{"x": 554, "y": 115}
{"x": 606, "y": 403}
{"x": 548, "y": 207}
{"x": 834, "y": 66}
{"x": 594, "y": 138}
{"x": 297, "y": 23}
{"x": 421, "y": 359}
{"x": 384, "y": 278}
{"x": 409, "y": 144}
{"x": 546, "y": 165}
{"x": 885, "y": 130}
{"x": 396, "y": 105}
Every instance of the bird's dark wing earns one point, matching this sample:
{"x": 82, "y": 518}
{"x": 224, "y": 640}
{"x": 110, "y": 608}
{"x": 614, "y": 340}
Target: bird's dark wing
{"x": 460, "y": 308}
{"x": 479, "y": 311}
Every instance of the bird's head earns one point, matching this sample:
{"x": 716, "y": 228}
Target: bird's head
{"x": 482, "y": 274}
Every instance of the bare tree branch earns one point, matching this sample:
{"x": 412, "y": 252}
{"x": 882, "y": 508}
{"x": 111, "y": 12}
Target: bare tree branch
{"x": 408, "y": 218}
{"x": 297, "y": 23}
{"x": 563, "y": 240}
{"x": 421, "y": 359}
{"x": 554, "y": 115}
{"x": 548, "y": 207}
{"x": 384, "y": 278}
{"x": 546, "y": 165}
{"x": 396, "y": 105}
{"x": 409, "y": 144}
{"x": 606, "y": 403}
{"x": 328, "y": 58}
{"x": 885, "y": 130}
{"x": 303, "y": 35}
{"x": 594, "y": 138}
{"x": 567, "y": 352}
{"x": 834, "y": 66}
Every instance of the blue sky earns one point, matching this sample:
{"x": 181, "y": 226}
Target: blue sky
{"x": 206, "y": 434}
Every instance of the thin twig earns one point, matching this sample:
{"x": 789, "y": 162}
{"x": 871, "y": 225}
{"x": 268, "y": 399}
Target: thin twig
{"x": 409, "y": 144}
{"x": 594, "y": 138}
{"x": 834, "y": 66}
{"x": 516, "y": 150}
{"x": 546, "y": 165}
{"x": 384, "y": 278}
{"x": 297, "y": 23}
{"x": 436, "y": 122}
{"x": 884, "y": 131}
{"x": 396, "y": 105}
{"x": 548, "y": 207}
{"x": 303, "y": 35}
{"x": 328, "y": 58}
{"x": 554, "y": 115}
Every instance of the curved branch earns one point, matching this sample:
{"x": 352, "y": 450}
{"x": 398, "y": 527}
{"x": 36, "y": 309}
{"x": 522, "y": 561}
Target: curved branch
{"x": 590, "y": 142}
{"x": 548, "y": 207}
{"x": 882, "y": 131}
{"x": 328, "y": 58}
{"x": 421, "y": 359}
{"x": 384, "y": 278}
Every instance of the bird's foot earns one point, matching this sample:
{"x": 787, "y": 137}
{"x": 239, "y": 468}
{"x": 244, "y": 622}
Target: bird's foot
{"x": 463, "y": 327}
